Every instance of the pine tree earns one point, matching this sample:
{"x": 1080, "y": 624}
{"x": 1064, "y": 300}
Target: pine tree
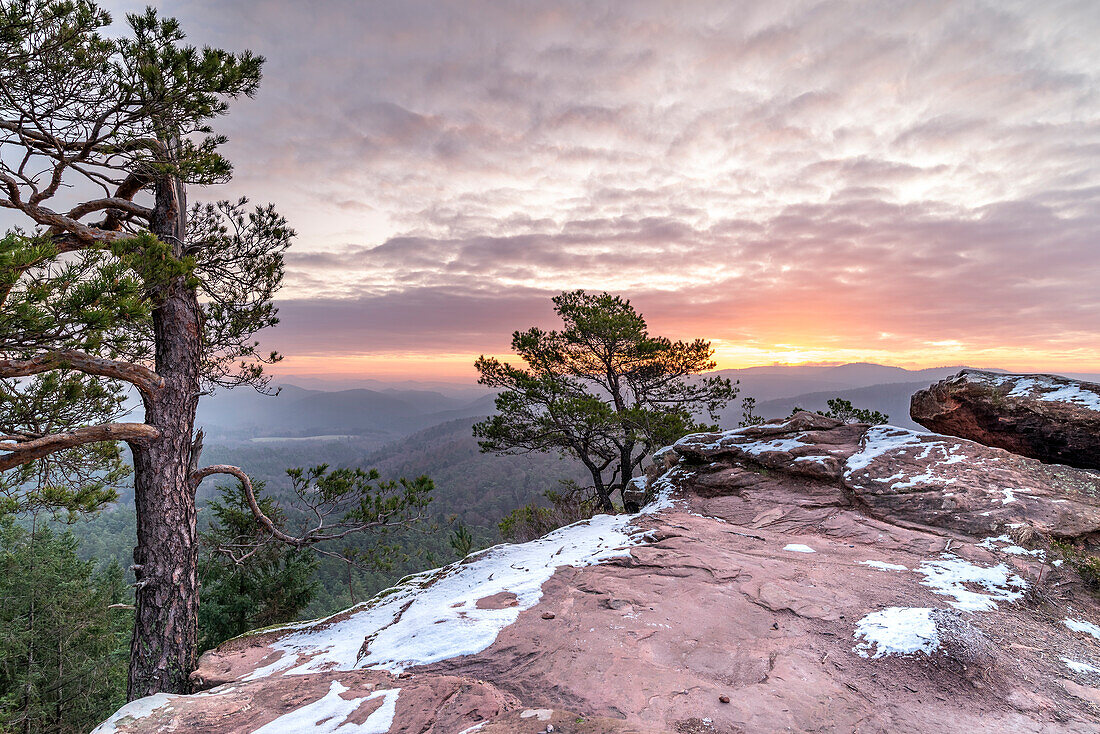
{"x": 274, "y": 584}
{"x": 843, "y": 410}
{"x": 602, "y": 390}
{"x": 64, "y": 633}
{"x": 101, "y": 134}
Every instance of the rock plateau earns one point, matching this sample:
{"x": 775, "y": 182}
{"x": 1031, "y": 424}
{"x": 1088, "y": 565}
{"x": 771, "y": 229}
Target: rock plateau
{"x": 803, "y": 575}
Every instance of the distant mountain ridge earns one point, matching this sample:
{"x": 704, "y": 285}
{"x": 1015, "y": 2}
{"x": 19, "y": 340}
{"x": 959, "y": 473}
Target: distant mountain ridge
{"x": 296, "y": 412}
{"x": 391, "y": 411}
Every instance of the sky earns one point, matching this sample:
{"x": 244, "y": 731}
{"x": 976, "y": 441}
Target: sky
{"x": 914, "y": 184}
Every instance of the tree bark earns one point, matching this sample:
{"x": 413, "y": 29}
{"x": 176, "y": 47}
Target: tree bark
{"x": 162, "y": 651}
{"x": 601, "y": 490}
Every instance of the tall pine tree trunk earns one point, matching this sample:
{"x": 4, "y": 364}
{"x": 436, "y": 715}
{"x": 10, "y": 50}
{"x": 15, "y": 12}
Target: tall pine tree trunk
{"x": 162, "y": 652}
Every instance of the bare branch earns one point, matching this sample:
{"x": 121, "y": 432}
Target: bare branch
{"x": 52, "y": 145}
{"x": 310, "y": 538}
{"x": 112, "y": 202}
{"x": 250, "y": 497}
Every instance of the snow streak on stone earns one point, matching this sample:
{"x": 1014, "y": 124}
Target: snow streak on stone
{"x": 732, "y": 438}
{"x": 880, "y": 440}
{"x": 1023, "y": 387}
{"x": 897, "y": 631}
{"x": 1079, "y": 667}
{"x": 950, "y": 576}
{"x": 330, "y": 714}
{"x": 1009, "y": 547}
{"x": 935, "y": 450}
{"x": 433, "y": 616}
{"x": 883, "y": 566}
{"x": 816, "y": 459}
{"x": 1080, "y": 625}
{"x": 133, "y": 711}
{"x": 1041, "y": 388}
{"x": 1074, "y": 394}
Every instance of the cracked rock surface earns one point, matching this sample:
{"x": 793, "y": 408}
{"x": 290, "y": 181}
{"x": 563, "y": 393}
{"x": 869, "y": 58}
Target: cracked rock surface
{"x": 798, "y": 576}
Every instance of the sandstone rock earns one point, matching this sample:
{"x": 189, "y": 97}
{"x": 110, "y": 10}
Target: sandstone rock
{"x": 881, "y": 592}
{"x": 1045, "y": 417}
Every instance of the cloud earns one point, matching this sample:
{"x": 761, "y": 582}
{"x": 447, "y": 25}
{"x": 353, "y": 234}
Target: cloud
{"x": 772, "y": 172}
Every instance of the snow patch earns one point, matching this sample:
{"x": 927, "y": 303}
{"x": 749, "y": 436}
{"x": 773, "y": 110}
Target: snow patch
{"x": 1080, "y": 625}
{"x": 433, "y": 616}
{"x": 897, "y": 631}
{"x": 1024, "y": 387}
{"x": 798, "y": 548}
{"x": 881, "y": 440}
{"x": 330, "y": 712}
{"x": 951, "y": 575}
{"x": 1009, "y": 547}
{"x": 883, "y": 566}
{"x": 775, "y": 445}
{"x": 815, "y": 459}
{"x": 1073, "y": 394}
{"x": 134, "y": 711}
{"x": 1047, "y": 390}
{"x": 1078, "y": 667}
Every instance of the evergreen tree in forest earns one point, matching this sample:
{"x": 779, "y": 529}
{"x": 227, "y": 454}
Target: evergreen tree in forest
{"x": 273, "y": 584}
{"x": 64, "y": 633}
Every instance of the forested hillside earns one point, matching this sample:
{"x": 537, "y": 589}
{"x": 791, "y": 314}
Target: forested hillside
{"x": 473, "y": 489}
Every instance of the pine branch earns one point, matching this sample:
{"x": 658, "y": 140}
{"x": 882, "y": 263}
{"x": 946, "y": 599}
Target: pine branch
{"x": 313, "y": 536}
{"x": 143, "y": 378}
{"x": 17, "y": 453}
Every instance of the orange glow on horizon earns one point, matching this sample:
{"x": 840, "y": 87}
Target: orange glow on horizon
{"x": 459, "y": 367}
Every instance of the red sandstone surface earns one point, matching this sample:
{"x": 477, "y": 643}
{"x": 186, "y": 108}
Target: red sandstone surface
{"x": 818, "y": 576}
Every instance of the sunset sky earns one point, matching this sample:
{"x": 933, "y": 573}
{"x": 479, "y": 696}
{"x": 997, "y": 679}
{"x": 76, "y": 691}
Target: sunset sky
{"x": 913, "y": 183}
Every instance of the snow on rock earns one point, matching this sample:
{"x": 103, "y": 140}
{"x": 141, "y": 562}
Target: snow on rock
{"x": 1079, "y": 667}
{"x": 951, "y": 576}
{"x": 434, "y": 615}
{"x": 897, "y": 631}
{"x": 1048, "y": 388}
{"x": 330, "y": 714}
{"x": 1080, "y": 625}
{"x": 1007, "y": 545}
{"x": 660, "y": 625}
{"x": 1047, "y": 417}
{"x": 134, "y": 711}
{"x": 1078, "y": 394}
{"x": 879, "y": 441}
{"x": 882, "y": 443}
{"x": 883, "y": 566}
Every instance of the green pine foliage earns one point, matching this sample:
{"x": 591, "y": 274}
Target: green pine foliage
{"x": 748, "y": 413}
{"x": 64, "y": 633}
{"x": 843, "y": 410}
{"x": 602, "y": 390}
{"x": 274, "y": 584}
{"x": 70, "y": 484}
